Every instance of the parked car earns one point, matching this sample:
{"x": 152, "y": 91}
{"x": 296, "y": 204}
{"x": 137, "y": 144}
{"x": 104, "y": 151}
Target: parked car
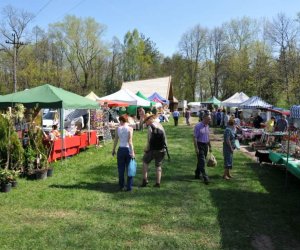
{"x": 49, "y": 119}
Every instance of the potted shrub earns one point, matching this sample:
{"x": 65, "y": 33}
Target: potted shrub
{"x": 14, "y": 174}
{"x": 5, "y": 179}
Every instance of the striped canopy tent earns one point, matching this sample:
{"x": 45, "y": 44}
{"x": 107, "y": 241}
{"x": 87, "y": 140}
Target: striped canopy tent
{"x": 255, "y": 102}
{"x": 155, "y": 97}
{"x": 295, "y": 111}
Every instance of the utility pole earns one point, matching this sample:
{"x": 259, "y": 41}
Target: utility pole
{"x": 16, "y": 45}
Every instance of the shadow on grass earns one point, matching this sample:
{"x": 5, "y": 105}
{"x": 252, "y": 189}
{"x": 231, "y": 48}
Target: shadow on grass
{"x": 105, "y": 187}
{"x": 267, "y": 218}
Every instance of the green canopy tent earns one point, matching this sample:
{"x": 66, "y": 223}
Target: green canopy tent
{"x": 213, "y": 101}
{"x": 144, "y": 97}
{"x": 48, "y": 96}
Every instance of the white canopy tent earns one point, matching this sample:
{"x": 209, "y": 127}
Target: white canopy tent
{"x": 125, "y": 95}
{"x": 235, "y": 100}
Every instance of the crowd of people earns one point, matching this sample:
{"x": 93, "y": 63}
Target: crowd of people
{"x": 152, "y": 120}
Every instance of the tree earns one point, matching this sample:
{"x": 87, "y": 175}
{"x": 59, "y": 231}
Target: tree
{"x": 12, "y": 29}
{"x": 192, "y": 47}
{"x": 80, "y": 40}
{"x": 282, "y": 34}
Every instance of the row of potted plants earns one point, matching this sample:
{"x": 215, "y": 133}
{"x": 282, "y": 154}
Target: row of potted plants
{"x": 29, "y": 160}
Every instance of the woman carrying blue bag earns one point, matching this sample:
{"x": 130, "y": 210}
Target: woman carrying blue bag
{"x": 125, "y": 153}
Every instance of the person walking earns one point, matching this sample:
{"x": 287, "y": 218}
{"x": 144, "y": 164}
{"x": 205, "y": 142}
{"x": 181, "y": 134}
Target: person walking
{"x": 141, "y": 112}
{"x": 228, "y": 148}
{"x": 125, "y": 153}
{"x": 187, "y": 117}
{"x": 202, "y": 144}
{"x": 155, "y": 149}
{"x": 176, "y": 115}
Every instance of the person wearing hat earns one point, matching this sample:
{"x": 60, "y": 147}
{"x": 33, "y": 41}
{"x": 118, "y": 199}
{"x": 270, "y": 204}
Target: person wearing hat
{"x": 154, "y": 150}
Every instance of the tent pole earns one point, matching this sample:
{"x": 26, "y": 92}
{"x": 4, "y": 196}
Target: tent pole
{"x": 61, "y": 125}
{"x": 287, "y": 159}
{"x": 89, "y": 126}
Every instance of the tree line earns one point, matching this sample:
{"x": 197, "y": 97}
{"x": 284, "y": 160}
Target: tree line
{"x": 258, "y": 57}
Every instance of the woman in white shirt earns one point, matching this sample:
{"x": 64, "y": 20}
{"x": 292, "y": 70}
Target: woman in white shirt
{"x": 125, "y": 151}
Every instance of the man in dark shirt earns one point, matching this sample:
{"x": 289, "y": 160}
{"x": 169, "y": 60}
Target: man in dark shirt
{"x": 257, "y": 121}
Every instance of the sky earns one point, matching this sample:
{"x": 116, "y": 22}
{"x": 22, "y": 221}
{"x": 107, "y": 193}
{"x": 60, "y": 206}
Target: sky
{"x": 163, "y": 21}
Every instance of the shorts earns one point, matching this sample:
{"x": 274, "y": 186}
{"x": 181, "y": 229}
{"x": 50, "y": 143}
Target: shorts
{"x": 157, "y": 155}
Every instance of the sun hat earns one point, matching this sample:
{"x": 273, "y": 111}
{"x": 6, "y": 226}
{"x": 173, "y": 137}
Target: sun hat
{"x": 148, "y": 117}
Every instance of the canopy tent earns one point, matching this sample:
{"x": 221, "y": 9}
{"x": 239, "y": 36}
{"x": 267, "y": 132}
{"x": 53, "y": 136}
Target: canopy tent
{"x": 92, "y": 96}
{"x": 125, "y": 95}
{"x": 279, "y": 111}
{"x": 254, "y": 102}
{"x": 295, "y": 111}
{"x": 48, "y": 96}
{"x": 158, "y": 98}
{"x": 144, "y": 97}
{"x": 213, "y": 100}
{"x": 235, "y": 100}
{"x": 194, "y": 104}
{"x": 114, "y": 103}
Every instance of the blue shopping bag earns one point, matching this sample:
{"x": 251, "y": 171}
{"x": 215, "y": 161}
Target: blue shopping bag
{"x": 131, "y": 168}
{"x": 237, "y": 144}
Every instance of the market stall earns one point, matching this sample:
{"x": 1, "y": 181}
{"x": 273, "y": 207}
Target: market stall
{"x": 48, "y": 96}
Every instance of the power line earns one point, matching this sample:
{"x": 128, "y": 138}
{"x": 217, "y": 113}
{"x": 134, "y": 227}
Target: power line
{"x": 74, "y": 7}
{"x": 43, "y": 7}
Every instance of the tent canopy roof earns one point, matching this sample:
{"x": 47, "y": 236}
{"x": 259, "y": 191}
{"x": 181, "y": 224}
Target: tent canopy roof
{"x": 140, "y": 94}
{"x": 158, "y": 98}
{"x": 92, "y": 96}
{"x": 255, "y": 102}
{"x": 114, "y": 103}
{"x": 235, "y": 100}
{"x": 213, "y": 100}
{"x": 48, "y": 96}
{"x": 147, "y": 87}
{"x": 125, "y": 95}
{"x": 295, "y": 111}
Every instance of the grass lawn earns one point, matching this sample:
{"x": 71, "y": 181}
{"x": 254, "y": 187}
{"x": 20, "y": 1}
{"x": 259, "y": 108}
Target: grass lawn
{"x": 80, "y": 207}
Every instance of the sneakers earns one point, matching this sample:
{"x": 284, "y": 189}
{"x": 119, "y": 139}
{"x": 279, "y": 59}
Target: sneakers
{"x": 157, "y": 185}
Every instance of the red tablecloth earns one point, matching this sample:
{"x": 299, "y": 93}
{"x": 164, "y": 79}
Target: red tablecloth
{"x": 72, "y": 145}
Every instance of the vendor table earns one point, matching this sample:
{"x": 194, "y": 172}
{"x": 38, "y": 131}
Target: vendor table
{"x": 292, "y": 164}
{"x": 250, "y": 133}
{"x": 72, "y": 145}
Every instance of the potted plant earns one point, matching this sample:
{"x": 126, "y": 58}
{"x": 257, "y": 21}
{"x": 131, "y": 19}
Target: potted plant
{"x": 14, "y": 174}
{"x": 5, "y": 179}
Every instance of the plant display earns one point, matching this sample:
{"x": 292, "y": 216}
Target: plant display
{"x": 6, "y": 176}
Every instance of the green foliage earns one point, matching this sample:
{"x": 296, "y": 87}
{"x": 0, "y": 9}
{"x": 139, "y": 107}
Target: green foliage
{"x": 6, "y": 176}
{"x": 14, "y": 146}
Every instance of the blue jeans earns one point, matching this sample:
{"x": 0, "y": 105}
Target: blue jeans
{"x": 123, "y": 161}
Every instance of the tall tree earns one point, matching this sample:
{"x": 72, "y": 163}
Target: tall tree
{"x": 81, "y": 42}
{"x": 282, "y": 34}
{"x": 192, "y": 47}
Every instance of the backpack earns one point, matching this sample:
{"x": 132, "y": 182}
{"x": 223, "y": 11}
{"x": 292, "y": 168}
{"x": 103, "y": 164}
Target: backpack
{"x": 157, "y": 140}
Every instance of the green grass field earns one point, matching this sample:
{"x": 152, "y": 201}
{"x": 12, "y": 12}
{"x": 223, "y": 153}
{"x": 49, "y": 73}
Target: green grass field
{"x": 80, "y": 207}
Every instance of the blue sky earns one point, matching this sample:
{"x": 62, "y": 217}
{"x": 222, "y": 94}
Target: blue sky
{"x": 164, "y": 21}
